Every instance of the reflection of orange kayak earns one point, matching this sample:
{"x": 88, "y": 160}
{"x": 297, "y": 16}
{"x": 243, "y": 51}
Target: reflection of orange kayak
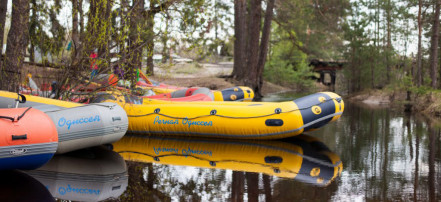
{"x": 28, "y": 138}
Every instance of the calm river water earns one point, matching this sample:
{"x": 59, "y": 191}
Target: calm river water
{"x": 374, "y": 154}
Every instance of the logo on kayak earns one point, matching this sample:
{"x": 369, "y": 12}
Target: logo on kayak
{"x": 184, "y": 121}
{"x": 18, "y": 152}
{"x": 63, "y": 122}
{"x": 316, "y": 110}
{"x": 186, "y": 152}
{"x": 69, "y": 189}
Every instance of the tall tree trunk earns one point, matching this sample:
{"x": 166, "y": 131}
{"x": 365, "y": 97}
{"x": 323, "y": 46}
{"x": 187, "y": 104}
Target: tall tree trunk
{"x": 150, "y": 41}
{"x": 32, "y": 30}
{"x": 389, "y": 40}
{"x": 240, "y": 41}
{"x": 3, "y": 9}
{"x": 123, "y": 32}
{"x": 434, "y": 51}
{"x": 75, "y": 37}
{"x": 264, "y": 42}
{"x": 16, "y": 49}
{"x": 81, "y": 15}
{"x": 98, "y": 26}
{"x": 250, "y": 77}
{"x": 136, "y": 24}
{"x": 419, "y": 57}
{"x": 164, "y": 43}
{"x": 90, "y": 40}
{"x": 253, "y": 44}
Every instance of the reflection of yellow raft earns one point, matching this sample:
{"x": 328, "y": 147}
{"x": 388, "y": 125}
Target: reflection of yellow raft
{"x": 263, "y": 120}
{"x": 303, "y": 158}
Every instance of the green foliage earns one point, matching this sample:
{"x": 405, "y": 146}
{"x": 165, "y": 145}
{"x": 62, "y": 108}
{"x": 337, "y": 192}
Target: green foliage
{"x": 315, "y": 26}
{"x": 287, "y": 65}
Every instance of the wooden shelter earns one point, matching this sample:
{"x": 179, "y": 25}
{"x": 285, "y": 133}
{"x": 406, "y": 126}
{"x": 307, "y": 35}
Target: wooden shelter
{"x": 327, "y": 71}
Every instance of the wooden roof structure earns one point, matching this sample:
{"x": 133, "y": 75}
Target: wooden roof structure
{"x": 320, "y": 65}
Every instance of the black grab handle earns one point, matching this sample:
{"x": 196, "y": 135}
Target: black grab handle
{"x": 23, "y": 98}
{"x": 20, "y": 137}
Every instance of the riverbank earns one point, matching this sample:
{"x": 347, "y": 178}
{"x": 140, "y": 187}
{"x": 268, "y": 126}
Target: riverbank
{"x": 427, "y": 103}
{"x": 205, "y": 75}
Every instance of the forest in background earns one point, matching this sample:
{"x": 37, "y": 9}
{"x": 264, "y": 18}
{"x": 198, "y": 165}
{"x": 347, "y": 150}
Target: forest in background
{"x": 383, "y": 43}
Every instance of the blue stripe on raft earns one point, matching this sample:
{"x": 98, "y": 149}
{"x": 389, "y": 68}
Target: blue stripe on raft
{"x": 305, "y": 105}
{"x": 25, "y": 162}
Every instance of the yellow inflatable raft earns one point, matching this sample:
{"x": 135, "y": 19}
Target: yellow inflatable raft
{"x": 299, "y": 158}
{"x": 259, "y": 120}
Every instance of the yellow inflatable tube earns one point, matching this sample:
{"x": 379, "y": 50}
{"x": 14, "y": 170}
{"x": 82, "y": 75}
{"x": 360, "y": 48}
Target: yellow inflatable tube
{"x": 259, "y": 120}
{"x": 296, "y": 157}
{"x": 7, "y": 100}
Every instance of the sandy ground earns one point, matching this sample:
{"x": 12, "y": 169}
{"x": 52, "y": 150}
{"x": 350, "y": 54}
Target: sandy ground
{"x": 208, "y": 75}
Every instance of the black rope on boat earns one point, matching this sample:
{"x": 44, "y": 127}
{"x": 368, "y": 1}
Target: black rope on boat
{"x": 277, "y": 111}
{"x": 7, "y": 117}
{"x": 18, "y": 118}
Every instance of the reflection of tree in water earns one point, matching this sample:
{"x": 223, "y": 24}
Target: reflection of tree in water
{"x": 156, "y": 182}
{"x": 140, "y": 188}
{"x": 387, "y": 155}
{"x": 290, "y": 190}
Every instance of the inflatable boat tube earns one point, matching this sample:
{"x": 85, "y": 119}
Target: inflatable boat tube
{"x": 94, "y": 174}
{"x": 260, "y": 120}
{"x": 8, "y": 100}
{"x": 79, "y": 126}
{"x": 185, "y": 95}
{"x": 28, "y": 138}
{"x": 87, "y": 125}
{"x": 18, "y": 186}
{"x": 238, "y": 93}
{"x": 298, "y": 158}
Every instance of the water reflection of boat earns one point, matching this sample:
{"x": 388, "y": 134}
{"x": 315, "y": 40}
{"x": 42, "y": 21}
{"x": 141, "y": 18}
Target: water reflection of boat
{"x": 18, "y": 186}
{"x": 303, "y": 158}
{"x": 85, "y": 175}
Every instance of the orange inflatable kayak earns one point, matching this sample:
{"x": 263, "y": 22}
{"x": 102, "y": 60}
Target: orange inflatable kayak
{"x": 28, "y": 138}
